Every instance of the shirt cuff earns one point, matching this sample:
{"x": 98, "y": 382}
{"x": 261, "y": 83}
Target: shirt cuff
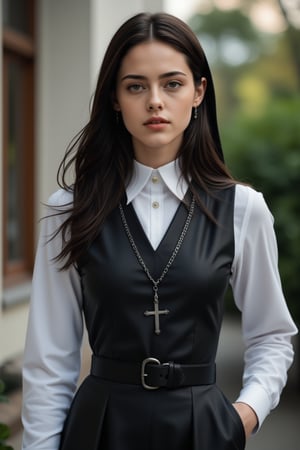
{"x": 258, "y": 399}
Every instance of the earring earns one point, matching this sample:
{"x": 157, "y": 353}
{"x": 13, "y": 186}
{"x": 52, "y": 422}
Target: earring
{"x": 195, "y": 112}
{"x": 117, "y": 117}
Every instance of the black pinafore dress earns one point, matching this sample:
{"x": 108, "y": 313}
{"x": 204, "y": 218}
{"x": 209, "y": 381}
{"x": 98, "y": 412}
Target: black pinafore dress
{"x": 107, "y": 415}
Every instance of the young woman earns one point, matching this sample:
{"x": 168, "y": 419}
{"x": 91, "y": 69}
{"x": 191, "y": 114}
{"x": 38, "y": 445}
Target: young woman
{"x": 144, "y": 245}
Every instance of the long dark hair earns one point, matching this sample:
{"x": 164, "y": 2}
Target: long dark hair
{"x": 102, "y": 153}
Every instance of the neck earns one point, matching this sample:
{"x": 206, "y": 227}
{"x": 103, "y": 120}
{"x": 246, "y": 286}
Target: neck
{"x": 156, "y": 157}
{"x": 154, "y": 163}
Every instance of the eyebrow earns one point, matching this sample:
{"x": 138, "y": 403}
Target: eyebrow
{"x": 164, "y": 75}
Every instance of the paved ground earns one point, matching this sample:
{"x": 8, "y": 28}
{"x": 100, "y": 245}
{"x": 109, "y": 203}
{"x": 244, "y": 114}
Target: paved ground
{"x": 281, "y": 430}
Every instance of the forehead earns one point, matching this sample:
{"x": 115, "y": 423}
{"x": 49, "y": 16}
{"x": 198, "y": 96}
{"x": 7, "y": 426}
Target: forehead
{"x": 153, "y": 57}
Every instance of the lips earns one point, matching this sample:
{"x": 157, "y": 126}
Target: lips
{"x": 156, "y": 121}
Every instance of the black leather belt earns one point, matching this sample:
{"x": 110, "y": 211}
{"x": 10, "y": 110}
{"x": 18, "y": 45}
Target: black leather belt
{"x": 152, "y": 374}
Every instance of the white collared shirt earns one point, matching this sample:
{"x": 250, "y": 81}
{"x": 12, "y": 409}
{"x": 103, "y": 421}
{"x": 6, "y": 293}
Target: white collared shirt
{"x": 52, "y": 352}
{"x": 155, "y": 195}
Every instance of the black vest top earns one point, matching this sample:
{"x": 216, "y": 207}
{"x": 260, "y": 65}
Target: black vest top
{"x": 117, "y": 292}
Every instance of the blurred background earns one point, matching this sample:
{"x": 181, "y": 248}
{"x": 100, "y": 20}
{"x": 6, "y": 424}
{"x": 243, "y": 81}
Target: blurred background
{"x": 52, "y": 50}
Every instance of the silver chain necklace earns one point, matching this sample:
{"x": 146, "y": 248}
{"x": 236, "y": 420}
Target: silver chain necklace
{"x": 156, "y": 311}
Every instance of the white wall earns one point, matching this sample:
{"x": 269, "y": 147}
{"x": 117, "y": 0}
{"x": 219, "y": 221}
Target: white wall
{"x": 63, "y": 76}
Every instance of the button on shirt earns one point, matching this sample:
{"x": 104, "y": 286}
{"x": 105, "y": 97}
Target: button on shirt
{"x": 52, "y": 359}
{"x": 155, "y": 195}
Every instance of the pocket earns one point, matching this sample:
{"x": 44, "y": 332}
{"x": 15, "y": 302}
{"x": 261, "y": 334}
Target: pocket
{"x": 216, "y": 424}
{"x": 240, "y": 435}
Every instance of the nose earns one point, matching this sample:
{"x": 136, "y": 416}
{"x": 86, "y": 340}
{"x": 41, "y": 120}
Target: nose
{"x": 154, "y": 106}
{"x": 154, "y": 102}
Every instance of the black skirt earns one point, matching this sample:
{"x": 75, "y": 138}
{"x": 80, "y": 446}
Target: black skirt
{"x": 112, "y": 416}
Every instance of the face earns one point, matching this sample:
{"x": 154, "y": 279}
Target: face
{"x": 155, "y": 94}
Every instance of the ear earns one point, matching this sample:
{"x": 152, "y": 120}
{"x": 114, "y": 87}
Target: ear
{"x": 200, "y": 92}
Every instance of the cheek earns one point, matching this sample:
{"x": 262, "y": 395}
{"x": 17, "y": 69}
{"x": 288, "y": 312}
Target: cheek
{"x": 129, "y": 109}
{"x": 129, "y": 118}
{"x": 185, "y": 116}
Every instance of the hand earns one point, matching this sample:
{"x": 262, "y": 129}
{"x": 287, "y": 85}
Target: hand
{"x": 248, "y": 417}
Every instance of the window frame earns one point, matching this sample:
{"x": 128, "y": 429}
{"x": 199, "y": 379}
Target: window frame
{"x": 20, "y": 47}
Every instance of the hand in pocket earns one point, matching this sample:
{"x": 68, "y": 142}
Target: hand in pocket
{"x": 248, "y": 417}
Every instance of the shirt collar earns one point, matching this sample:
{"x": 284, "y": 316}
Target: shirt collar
{"x": 170, "y": 174}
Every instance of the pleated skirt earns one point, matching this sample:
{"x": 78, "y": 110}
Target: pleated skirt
{"x": 113, "y": 416}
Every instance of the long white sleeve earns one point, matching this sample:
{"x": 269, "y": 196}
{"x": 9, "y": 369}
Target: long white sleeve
{"x": 52, "y": 350}
{"x": 266, "y": 323}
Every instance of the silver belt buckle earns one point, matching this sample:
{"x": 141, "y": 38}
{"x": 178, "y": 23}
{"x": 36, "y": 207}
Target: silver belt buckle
{"x": 144, "y": 375}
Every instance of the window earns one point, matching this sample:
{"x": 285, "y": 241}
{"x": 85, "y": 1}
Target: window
{"x": 18, "y": 140}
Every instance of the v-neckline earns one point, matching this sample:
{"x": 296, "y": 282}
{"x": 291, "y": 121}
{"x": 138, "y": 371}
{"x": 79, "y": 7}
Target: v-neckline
{"x": 156, "y": 259}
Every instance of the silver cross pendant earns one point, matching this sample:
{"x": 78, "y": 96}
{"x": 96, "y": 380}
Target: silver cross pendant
{"x": 156, "y": 312}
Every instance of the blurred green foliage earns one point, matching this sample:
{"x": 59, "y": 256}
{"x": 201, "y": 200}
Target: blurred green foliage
{"x": 264, "y": 151}
{"x": 258, "y": 103}
{"x": 249, "y": 66}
